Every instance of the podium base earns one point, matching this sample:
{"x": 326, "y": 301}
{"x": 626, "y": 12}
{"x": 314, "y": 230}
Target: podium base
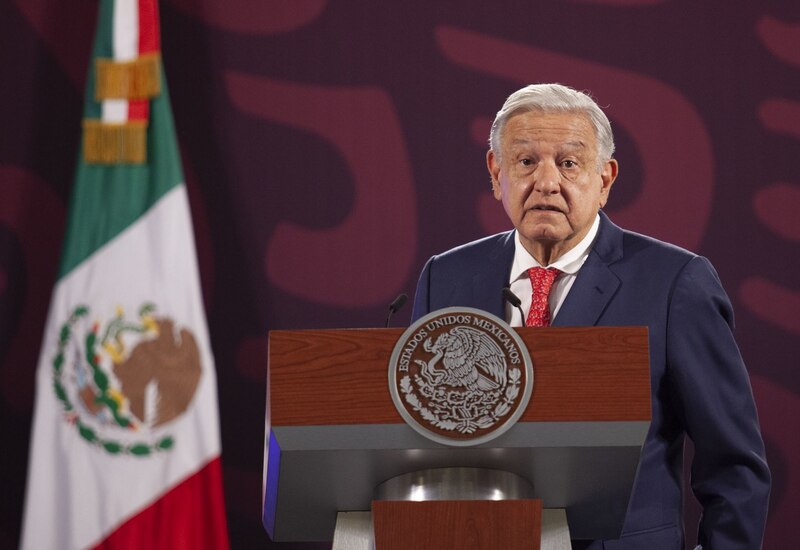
{"x": 454, "y": 508}
{"x": 354, "y": 531}
{"x": 555, "y": 531}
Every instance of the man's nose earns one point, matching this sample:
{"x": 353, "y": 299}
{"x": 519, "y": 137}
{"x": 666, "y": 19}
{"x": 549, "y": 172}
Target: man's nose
{"x": 547, "y": 178}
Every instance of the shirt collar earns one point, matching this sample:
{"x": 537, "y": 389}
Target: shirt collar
{"x": 569, "y": 263}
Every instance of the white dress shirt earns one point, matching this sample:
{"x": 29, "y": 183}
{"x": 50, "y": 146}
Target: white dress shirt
{"x": 569, "y": 264}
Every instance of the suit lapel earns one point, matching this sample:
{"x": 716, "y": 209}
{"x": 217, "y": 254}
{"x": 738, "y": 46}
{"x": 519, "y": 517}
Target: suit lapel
{"x": 488, "y": 282}
{"x": 596, "y": 283}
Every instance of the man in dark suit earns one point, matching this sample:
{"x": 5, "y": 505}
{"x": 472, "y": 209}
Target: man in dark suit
{"x": 551, "y": 166}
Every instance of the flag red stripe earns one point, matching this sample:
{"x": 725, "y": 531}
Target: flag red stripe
{"x": 190, "y": 516}
{"x": 148, "y": 43}
{"x": 138, "y": 109}
{"x": 148, "y": 26}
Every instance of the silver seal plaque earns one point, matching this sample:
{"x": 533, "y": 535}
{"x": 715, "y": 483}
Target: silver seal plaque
{"x": 460, "y": 376}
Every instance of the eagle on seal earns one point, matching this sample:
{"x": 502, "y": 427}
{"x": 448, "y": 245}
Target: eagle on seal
{"x": 470, "y": 358}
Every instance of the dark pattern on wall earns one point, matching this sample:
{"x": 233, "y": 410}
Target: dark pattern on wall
{"x": 331, "y": 147}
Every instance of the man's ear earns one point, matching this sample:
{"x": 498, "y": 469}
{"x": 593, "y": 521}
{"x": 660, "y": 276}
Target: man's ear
{"x": 493, "y": 164}
{"x": 608, "y": 176}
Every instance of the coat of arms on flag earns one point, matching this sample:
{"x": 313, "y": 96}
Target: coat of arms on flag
{"x": 122, "y": 382}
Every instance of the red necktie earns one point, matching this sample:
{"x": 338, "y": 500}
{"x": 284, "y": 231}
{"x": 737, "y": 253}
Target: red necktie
{"x": 541, "y": 281}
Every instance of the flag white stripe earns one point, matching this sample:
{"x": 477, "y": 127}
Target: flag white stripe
{"x": 125, "y": 34}
{"x": 125, "y": 43}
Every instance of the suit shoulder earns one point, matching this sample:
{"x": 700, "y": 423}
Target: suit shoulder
{"x": 622, "y": 247}
{"x": 478, "y": 250}
{"x": 636, "y": 246}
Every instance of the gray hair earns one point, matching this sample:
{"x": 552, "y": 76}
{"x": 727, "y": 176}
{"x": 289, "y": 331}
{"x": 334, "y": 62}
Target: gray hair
{"x": 550, "y": 98}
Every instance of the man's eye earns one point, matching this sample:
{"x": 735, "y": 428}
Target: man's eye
{"x": 569, "y": 164}
{"x": 526, "y": 162}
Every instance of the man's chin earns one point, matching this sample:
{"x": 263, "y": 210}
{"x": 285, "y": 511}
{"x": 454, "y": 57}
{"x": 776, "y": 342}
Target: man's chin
{"x": 542, "y": 233}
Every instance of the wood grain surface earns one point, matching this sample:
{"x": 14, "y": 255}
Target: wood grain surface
{"x": 341, "y": 376}
{"x": 457, "y": 524}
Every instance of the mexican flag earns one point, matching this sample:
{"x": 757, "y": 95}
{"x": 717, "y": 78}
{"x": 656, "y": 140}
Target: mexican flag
{"x": 125, "y": 448}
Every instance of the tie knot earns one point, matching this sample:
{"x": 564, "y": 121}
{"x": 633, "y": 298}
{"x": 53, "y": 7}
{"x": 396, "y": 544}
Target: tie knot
{"x": 543, "y": 277}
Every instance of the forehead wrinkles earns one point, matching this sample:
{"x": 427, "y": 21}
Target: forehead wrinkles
{"x": 557, "y": 130}
{"x": 522, "y": 143}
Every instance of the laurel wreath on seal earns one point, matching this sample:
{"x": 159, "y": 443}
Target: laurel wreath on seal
{"x": 442, "y": 416}
{"x": 101, "y": 380}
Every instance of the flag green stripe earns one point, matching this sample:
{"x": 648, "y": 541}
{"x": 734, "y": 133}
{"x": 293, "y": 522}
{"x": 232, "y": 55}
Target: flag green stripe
{"x": 106, "y": 199}
{"x": 103, "y": 47}
{"x": 103, "y": 39}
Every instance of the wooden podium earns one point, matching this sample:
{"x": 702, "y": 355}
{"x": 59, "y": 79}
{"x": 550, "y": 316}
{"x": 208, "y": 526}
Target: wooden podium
{"x": 333, "y": 434}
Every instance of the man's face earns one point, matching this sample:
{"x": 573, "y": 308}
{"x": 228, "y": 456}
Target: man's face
{"x": 548, "y": 180}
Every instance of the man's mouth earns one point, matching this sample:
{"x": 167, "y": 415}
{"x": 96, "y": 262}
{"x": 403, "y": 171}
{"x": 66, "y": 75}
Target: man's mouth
{"x": 546, "y": 208}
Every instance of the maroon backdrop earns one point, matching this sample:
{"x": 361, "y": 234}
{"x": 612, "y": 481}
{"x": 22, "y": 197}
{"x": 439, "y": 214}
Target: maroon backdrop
{"x": 331, "y": 147}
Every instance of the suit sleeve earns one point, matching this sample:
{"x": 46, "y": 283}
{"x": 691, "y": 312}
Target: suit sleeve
{"x": 422, "y": 304}
{"x": 730, "y": 477}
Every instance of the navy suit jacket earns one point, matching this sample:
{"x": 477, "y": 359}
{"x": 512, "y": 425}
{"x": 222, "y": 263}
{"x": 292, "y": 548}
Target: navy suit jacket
{"x": 699, "y": 384}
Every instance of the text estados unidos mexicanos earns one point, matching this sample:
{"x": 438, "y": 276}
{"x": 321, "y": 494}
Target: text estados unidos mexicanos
{"x": 499, "y": 334}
